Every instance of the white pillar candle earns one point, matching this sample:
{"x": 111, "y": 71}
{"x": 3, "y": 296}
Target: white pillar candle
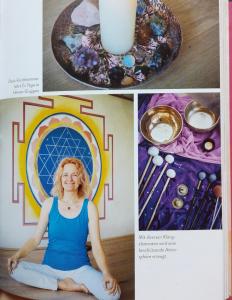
{"x": 117, "y": 23}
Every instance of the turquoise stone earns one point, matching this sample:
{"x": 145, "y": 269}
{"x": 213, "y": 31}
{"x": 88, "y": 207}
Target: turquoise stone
{"x": 128, "y": 61}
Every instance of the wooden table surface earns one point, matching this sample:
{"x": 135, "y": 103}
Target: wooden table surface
{"x": 197, "y": 65}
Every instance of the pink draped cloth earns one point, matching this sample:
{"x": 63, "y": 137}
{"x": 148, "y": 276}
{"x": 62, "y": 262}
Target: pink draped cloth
{"x": 189, "y": 143}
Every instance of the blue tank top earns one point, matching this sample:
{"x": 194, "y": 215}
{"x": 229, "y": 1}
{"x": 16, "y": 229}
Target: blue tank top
{"x": 67, "y": 239}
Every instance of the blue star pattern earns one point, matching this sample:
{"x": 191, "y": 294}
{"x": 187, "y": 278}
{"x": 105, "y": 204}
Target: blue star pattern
{"x": 60, "y": 143}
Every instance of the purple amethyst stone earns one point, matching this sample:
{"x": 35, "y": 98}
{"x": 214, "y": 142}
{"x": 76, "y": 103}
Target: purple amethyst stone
{"x": 85, "y": 58}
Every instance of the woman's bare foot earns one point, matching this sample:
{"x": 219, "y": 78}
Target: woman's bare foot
{"x": 70, "y": 285}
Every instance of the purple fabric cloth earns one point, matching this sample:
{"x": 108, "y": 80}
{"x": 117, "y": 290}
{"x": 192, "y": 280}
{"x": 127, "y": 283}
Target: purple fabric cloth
{"x": 189, "y": 161}
{"x": 189, "y": 143}
{"x": 168, "y": 217}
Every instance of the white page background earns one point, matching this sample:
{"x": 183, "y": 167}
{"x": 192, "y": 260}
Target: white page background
{"x": 21, "y": 38}
{"x": 194, "y": 272}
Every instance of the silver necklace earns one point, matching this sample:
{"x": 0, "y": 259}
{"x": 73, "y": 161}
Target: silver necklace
{"x": 69, "y": 206}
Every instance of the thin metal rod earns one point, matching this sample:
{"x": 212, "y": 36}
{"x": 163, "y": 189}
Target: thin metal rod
{"x": 153, "y": 189}
{"x": 147, "y": 181}
{"x": 192, "y": 204}
{"x": 216, "y": 215}
{"x": 157, "y": 204}
{"x": 215, "y": 209}
{"x": 203, "y": 201}
{"x": 145, "y": 170}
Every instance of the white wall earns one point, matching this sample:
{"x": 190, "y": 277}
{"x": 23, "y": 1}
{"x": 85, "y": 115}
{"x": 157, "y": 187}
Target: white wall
{"x": 119, "y": 212}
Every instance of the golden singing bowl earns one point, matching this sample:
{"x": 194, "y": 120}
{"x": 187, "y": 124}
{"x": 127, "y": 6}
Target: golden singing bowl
{"x": 200, "y": 118}
{"x": 161, "y": 125}
{"x": 177, "y": 203}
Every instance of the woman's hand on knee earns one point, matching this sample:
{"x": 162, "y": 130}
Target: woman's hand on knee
{"x": 111, "y": 284}
{"x": 12, "y": 263}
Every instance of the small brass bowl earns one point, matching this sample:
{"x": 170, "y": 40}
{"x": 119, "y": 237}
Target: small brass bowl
{"x": 200, "y": 118}
{"x": 161, "y": 125}
{"x": 177, "y": 203}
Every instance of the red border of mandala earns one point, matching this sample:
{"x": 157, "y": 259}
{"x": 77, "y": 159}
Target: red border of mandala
{"x": 108, "y": 140}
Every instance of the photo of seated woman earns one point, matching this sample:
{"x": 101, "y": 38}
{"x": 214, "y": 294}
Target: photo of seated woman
{"x": 69, "y": 217}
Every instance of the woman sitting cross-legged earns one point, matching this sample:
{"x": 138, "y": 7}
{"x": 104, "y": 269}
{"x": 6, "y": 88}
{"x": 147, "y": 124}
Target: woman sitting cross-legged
{"x": 69, "y": 217}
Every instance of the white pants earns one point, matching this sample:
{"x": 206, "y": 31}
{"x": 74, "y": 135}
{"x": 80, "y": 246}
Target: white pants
{"x": 45, "y": 277}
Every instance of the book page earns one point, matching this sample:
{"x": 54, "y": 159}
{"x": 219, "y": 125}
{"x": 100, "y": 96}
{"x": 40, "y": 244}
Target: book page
{"x": 138, "y": 92}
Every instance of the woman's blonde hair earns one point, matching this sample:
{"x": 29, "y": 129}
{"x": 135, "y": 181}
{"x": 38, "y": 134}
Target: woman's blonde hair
{"x": 84, "y": 187}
